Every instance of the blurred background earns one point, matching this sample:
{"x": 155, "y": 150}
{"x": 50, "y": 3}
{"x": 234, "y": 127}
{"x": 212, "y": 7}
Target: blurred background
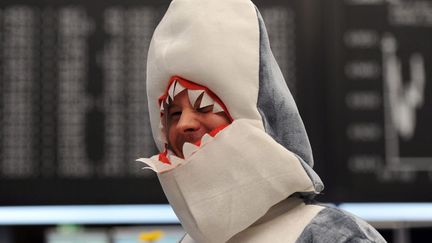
{"x": 73, "y": 114}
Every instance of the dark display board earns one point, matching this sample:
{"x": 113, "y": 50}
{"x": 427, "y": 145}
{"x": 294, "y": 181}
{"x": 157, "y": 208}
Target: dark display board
{"x": 73, "y": 101}
{"x": 73, "y": 109}
{"x": 380, "y": 100}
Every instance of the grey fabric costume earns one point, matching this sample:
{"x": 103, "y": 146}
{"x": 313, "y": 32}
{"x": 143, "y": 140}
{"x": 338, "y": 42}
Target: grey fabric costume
{"x": 290, "y": 217}
{"x": 334, "y": 225}
{"x": 331, "y": 224}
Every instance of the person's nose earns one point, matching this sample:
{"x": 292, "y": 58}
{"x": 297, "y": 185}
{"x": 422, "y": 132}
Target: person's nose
{"x": 188, "y": 122}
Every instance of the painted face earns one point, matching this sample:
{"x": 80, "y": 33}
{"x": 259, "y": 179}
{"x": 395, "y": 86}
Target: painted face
{"x": 186, "y": 122}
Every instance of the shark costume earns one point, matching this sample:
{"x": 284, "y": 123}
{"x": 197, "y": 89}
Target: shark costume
{"x": 251, "y": 181}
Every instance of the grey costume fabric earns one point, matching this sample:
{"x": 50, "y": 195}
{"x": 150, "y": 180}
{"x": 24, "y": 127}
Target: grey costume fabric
{"x": 332, "y": 225}
{"x": 282, "y": 121}
{"x": 276, "y": 104}
{"x": 278, "y": 110}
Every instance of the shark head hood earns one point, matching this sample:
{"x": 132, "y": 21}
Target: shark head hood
{"x": 264, "y": 156}
{"x": 224, "y": 46}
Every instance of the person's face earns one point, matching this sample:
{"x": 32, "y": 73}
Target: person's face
{"x": 188, "y": 123}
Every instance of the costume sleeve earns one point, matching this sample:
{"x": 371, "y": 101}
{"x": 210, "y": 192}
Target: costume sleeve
{"x": 333, "y": 225}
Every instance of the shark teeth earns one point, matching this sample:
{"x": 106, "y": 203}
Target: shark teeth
{"x": 193, "y": 95}
{"x": 205, "y": 139}
{"x": 206, "y": 101}
{"x": 175, "y": 89}
{"x": 217, "y": 108}
{"x": 149, "y": 164}
{"x": 178, "y": 88}
{"x": 189, "y": 149}
{"x": 171, "y": 90}
{"x": 162, "y": 107}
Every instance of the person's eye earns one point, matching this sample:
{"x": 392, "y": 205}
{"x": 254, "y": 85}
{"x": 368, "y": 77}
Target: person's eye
{"x": 175, "y": 114}
{"x": 205, "y": 109}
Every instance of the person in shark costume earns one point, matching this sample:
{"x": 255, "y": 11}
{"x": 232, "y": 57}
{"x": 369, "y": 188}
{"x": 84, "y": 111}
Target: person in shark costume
{"x": 250, "y": 180}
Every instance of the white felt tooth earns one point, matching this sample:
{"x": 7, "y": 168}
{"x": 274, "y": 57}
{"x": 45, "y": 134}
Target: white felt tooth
{"x": 162, "y": 106}
{"x": 167, "y": 100}
{"x": 150, "y": 164}
{"x": 144, "y": 160}
{"x": 189, "y": 149}
{"x": 178, "y": 88}
{"x": 171, "y": 90}
{"x": 217, "y": 108}
{"x": 193, "y": 95}
{"x": 205, "y": 139}
{"x": 206, "y": 101}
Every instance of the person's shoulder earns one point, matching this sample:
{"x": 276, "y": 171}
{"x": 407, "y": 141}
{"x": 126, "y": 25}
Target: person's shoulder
{"x": 336, "y": 225}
